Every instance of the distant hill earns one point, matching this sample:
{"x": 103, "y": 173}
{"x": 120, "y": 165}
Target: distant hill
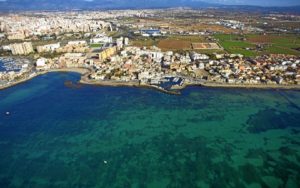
{"x": 19, "y": 5}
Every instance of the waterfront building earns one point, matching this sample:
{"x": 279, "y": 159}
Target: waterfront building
{"x": 21, "y": 48}
{"x": 41, "y": 64}
{"x": 72, "y": 60}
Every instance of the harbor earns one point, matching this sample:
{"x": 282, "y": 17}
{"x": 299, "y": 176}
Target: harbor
{"x": 13, "y": 64}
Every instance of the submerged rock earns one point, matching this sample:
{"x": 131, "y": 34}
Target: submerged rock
{"x": 269, "y": 119}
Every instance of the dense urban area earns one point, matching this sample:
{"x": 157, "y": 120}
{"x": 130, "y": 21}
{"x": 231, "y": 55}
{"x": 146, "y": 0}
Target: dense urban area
{"x": 165, "y": 49}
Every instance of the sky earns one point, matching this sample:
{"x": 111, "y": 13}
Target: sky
{"x": 259, "y": 2}
{"x": 228, "y": 2}
{"x": 248, "y": 2}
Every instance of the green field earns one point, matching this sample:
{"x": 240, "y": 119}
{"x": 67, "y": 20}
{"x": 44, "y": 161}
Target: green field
{"x": 96, "y": 45}
{"x": 145, "y": 41}
{"x": 273, "y": 44}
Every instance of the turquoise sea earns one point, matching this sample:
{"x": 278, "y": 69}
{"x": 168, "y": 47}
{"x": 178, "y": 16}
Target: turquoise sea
{"x": 60, "y": 134}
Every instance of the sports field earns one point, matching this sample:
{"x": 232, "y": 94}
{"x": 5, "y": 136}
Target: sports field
{"x": 252, "y": 44}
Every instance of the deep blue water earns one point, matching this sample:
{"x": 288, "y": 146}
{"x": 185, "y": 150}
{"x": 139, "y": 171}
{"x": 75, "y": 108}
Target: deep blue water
{"x": 68, "y": 135}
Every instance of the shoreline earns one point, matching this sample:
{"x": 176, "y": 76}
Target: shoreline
{"x": 85, "y": 71}
{"x": 241, "y": 86}
{"x": 127, "y": 84}
{"x": 252, "y": 86}
{"x": 19, "y": 82}
{"x": 81, "y": 71}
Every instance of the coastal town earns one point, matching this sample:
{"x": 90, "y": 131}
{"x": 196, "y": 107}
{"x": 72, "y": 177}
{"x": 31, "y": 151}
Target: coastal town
{"x": 149, "y": 94}
{"x": 113, "y": 51}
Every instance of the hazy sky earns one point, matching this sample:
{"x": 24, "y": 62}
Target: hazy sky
{"x": 259, "y": 2}
{"x": 229, "y": 2}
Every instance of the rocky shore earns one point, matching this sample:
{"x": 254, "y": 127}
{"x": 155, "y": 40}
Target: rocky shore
{"x": 81, "y": 71}
{"x": 15, "y": 83}
{"x": 174, "y": 90}
{"x": 252, "y": 86}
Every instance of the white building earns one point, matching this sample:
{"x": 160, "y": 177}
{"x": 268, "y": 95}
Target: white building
{"x": 103, "y": 39}
{"x": 153, "y": 54}
{"x": 48, "y": 47}
{"x": 126, "y": 41}
{"x": 6, "y": 48}
{"x": 119, "y": 42}
{"x": 195, "y": 56}
{"x": 79, "y": 42}
{"x": 41, "y": 63}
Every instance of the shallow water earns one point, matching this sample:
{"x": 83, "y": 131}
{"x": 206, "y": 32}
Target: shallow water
{"x": 59, "y": 136}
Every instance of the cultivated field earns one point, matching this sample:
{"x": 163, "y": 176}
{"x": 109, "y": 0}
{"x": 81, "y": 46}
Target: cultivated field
{"x": 210, "y": 27}
{"x": 145, "y": 41}
{"x": 206, "y": 46}
{"x": 172, "y": 42}
{"x": 252, "y": 44}
{"x": 179, "y": 42}
{"x": 248, "y": 45}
